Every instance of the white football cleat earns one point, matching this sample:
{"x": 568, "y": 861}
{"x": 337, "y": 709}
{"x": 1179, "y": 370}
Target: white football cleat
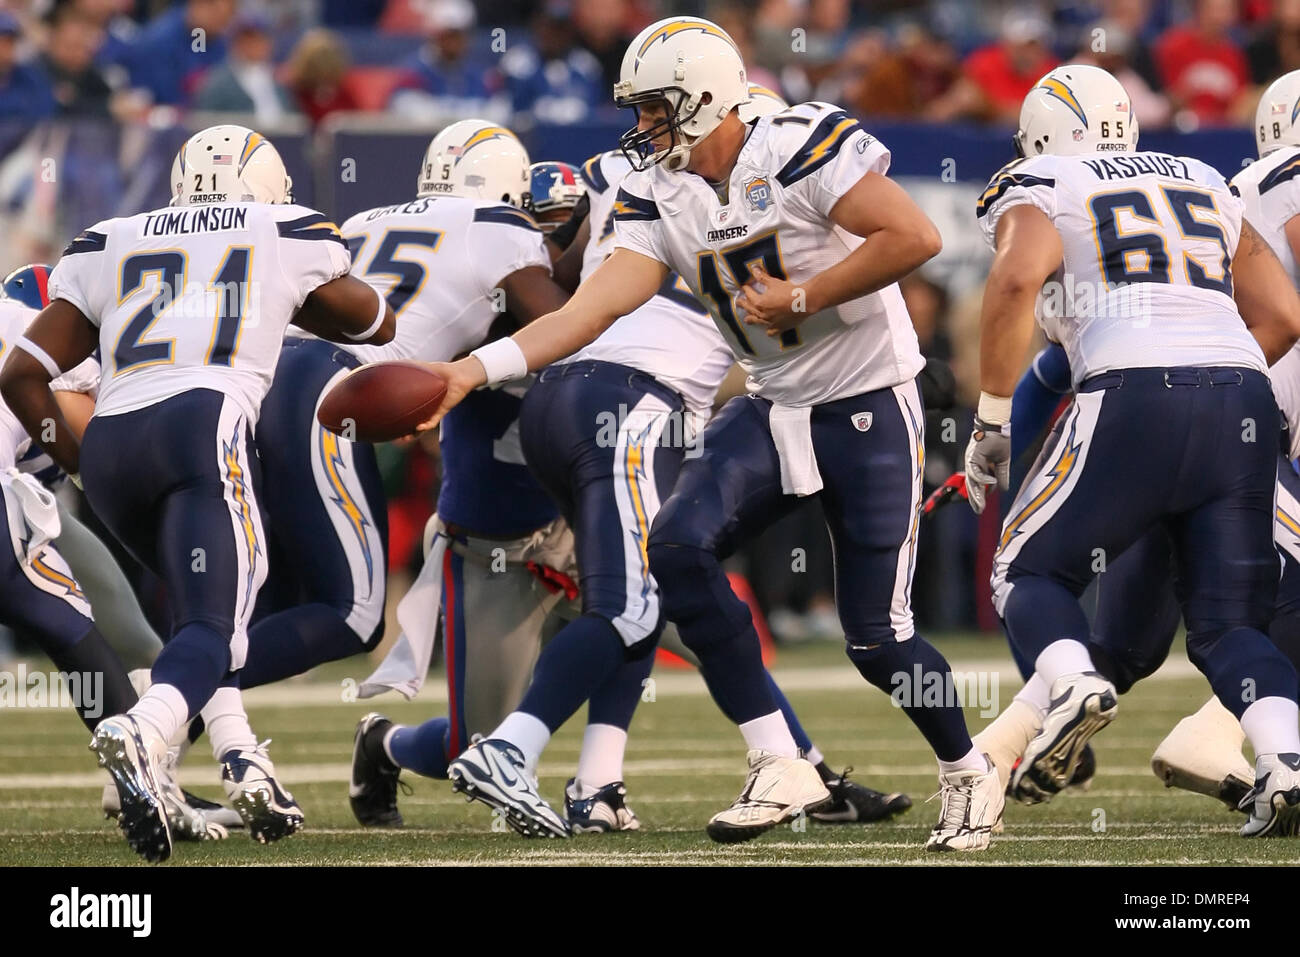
{"x": 1082, "y": 705}
{"x": 1273, "y": 805}
{"x": 120, "y": 745}
{"x": 776, "y": 790}
{"x": 1203, "y": 754}
{"x": 492, "y": 771}
{"x": 267, "y": 809}
{"x": 971, "y": 807}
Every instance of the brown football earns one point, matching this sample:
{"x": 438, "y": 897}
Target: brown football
{"x": 382, "y": 401}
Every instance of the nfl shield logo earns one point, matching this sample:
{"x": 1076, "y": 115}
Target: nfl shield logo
{"x": 1078, "y": 136}
{"x": 861, "y": 420}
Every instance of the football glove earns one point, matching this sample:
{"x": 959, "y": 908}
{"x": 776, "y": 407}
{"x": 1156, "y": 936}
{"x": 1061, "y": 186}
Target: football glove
{"x": 988, "y": 461}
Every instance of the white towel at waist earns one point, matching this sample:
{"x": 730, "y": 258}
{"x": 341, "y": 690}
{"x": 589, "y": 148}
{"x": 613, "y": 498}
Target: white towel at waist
{"x": 792, "y": 433}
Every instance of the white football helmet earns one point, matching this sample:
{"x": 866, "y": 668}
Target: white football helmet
{"x": 762, "y": 102}
{"x": 476, "y": 159}
{"x": 1077, "y": 109}
{"x": 229, "y": 164}
{"x": 1276, "y": 114}
{"x": 683, "y": 61}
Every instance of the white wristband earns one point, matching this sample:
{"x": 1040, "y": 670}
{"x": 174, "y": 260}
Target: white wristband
{"x": 374, "y": 326}
{"x": 994, "y": 409}
{"x": 502, "y": 360}
{"x": 40, "y": 355}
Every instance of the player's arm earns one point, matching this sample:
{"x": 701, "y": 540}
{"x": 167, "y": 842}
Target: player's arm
{"x": 1028, "y": 251}
{"x": 898, "y": 237}
{"x": 531, "y": 293}
{"x": 345, "y": 309}
{"x": 58, "y": 339}
{"x": 568, "y": 268}
{"x": 623, "y": 282}
{"x": 1265, "y": 296}
{"x": 77, "y": 408}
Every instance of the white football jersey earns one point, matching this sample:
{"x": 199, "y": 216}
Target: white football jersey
{"x": 1270, "y": 197}
{"x": 672, "y": 337}
{"x": 196, "y": 297}
{"x": 440, "y": 261}
{"x": 15, "y": 443}
{"x": 792, "y": 170}
{"x": 1148, "y": 239}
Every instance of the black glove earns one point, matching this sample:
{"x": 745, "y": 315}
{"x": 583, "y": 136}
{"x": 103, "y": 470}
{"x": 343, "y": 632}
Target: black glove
{"x": 564, "y": 234}
{"x": 938, "y": 387}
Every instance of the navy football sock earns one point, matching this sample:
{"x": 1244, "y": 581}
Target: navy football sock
{"x": 102, "y": 687}
{"x": 906, "y": 670}
{"x": 291, "y": 642}
{"x": 716, "y": 626}
{"x": 1040, "y": 611}
{"x": 615, "y": 701}
{"x": 422, "y": 748}
{"x": 572, "y": 666}
{"x": 796, "y": 729}
{"x": 1243, "y": 665}
{"x": 739, "y": 683}
{"x": 194, "y": 662}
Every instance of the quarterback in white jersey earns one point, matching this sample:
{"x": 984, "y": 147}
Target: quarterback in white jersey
{"x": 1156, "y": 273}
{"x": 671, "y": 336}
{"x": 188, "y": 305}
{"x": 735, "y": 208}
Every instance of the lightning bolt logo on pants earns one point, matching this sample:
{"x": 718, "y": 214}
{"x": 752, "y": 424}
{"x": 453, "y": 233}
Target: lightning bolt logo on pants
{"x": 332, "y": 461}
{"x": 1059, "y": 472}
{"x": 635, "y": 474}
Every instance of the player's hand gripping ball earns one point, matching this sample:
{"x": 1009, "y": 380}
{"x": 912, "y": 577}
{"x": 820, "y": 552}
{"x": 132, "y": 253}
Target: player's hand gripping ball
{"x": 382, "y": 401}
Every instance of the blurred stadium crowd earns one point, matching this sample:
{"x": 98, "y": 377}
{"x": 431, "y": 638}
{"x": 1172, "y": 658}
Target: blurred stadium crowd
{"x": 92, "y": 92}
{"x": 1186, "y": 63}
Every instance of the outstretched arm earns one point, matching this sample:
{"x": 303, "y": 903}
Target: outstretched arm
{"x": 623, "y": 282}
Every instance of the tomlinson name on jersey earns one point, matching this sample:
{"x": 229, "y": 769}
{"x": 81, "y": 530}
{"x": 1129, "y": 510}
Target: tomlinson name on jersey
{"x": 199, "y": 219}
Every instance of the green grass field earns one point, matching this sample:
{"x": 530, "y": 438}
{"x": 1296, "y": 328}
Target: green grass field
{"x": 685, "y": 762}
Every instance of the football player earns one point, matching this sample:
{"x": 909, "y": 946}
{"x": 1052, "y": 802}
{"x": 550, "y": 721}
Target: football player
{"x": 595, "y": 799}
{"x": 92, "y": 566}
{"x": 189, "y": 305}
{"x": 1158, "y": 271}
{"x": 1137, "y": 610}
{"x": 40, "y": 594}
{"x": 791, "y": 235}
{"x": 498, "y": 552}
